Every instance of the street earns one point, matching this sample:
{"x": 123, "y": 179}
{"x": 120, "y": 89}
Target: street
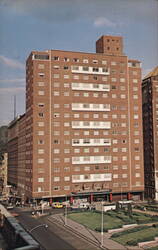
{"x": 55, "y": 237}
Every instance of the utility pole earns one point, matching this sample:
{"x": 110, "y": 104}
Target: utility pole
{"x": 102, "y": 224}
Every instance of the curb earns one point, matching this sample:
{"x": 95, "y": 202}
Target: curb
{"x": 58, "y": 221}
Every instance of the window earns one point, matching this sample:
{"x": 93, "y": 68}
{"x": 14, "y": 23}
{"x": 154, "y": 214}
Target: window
{"x": 41, "y": 84}
{"x": 76, "y": 94}
{"x": 41, "y": 179}
{"x": 135, "y": 96}
{"x": 56, "y": 76}
{"x": 95, "y": 116}
{"x": 77, "y": 150}
{"x": 56, "y": 58}
{"x": 41, "y": 92}
{"x": 137, "y": 175}
{"x": 66, "y": 187}
{"x": 66, "y": 124}
{"x": 56, "y": 93}
{"x": 41, "y": 114}
{"x": 56, "y": 179}
{"x": 40, "y": 66}
{"x": 66, "y": 76}
{"x": 115, "y": 150}
{"x": 56, "y": 115}
{"x": 56, "y": 67}
{"x": 113, "y": 63}
{"x": 39, "y": 189}
{"x": 56, "y": 132}
{"x": 56, "y": 124}
{"x": 124, "y": 158}
{"x": 41, "y": 74}
{"x": 137, "y": 157}
{"x": 66, "y": 160}
{"x": 96, "y": 132}
{"x": 66, "y": 150}
{"x": 65, "y": 67}
{"x": 85, "y": 60}
{"x": 40, "y": 133}
{"x": 95, "y": 61}
{"x": 66, "y": 105}
{"x": 56, "y": 160}
{"x": 85, "y": 77}
{"x": 66, "y": 93}
{"x": 86, "y": 168}
{"x": 86, "y": 94}
{"x": 67, "y": 178}
{"x": 104, "y": 78}
{"x": 135, "y": 81}
{"x": 136, "y": 116}
{"x": 124, "y": 175}
{"x": 124, "y": 150}
{"x": 123, "y": 96}
{"x": 56, "y": 105}
{"x": 75, "y": 60}
{"x": 56, "y": 188}
{"x": 86, "y": 132}
{"x": 41, "y": 124}
{"x": 86, "y": 150}
{"x": 76, "y": 169}
{"x": 104, "y": 62}
{"x": 66, "y": 85}
{"x": 40, "y": 151}
{"x": 66, "y": 59}
{"x": 56, "y": 141}
{"x": 113, "y": 79}
{"x": 40, "y": 160}
{"x": 95, "y": 95}
{"x": 122, "y": 79}
{"x": 40, "y": 141}
{"x": 96, "y": 150}
{"x": 115, "y": 176}
{"x": 56, "y": 151}
{"x": 41, "y": 57}
{"x": 40, "y": 105}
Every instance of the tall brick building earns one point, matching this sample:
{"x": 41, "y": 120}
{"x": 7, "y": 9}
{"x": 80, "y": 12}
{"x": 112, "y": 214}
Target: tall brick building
{"x": 84, "y": 124}
{"x": 150, "y": 131}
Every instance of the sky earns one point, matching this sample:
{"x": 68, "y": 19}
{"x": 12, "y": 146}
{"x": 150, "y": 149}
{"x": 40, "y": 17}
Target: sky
{"x": 74, "y": 25}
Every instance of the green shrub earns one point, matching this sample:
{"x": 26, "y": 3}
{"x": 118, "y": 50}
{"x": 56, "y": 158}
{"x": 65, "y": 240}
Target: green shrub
{"x": 98, "y": 229}
{"x": 132, "y": 230}
{"x": 132, "y": 242}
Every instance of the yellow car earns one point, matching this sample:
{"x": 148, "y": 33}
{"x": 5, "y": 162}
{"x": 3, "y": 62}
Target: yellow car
{"x": 57, "y": 205}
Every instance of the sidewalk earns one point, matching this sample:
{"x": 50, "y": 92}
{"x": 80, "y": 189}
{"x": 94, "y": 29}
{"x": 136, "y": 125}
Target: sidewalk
{"x": 89, "y": 234}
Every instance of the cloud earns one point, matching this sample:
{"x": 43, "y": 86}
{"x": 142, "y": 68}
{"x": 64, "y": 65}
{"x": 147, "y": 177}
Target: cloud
{"x": 11, "y": 90}
{"x": 102, "y": 21}
{"x": 16, "y": 80}
{"x": 11, "y": 62}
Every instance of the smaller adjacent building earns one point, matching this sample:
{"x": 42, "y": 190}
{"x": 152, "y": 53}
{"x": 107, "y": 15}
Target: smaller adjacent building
{"x": 3, "y": 173}
{"x": 16, "y": 155}
{"x": 150, "y": 133}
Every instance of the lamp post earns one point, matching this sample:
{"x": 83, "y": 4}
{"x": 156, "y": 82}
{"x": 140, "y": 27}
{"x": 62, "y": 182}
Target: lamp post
{"x": 41, "y": 225}
{"x": 66, "y": 211}
{"x": 102, "y": 224}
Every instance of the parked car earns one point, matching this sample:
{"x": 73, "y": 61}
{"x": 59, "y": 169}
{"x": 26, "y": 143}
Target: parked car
{"x": 10, "y": 206}
{"x": 57, "y": 205}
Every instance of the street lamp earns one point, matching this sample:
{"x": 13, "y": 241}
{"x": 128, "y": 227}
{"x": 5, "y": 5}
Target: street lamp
{"x": 102, "y": 224}
{"x": 66, "y": 211}
{"x": 42, "y": 225}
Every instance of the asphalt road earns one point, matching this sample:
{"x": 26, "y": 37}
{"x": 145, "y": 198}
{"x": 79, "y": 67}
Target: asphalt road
{"x": 55, "y": 237}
